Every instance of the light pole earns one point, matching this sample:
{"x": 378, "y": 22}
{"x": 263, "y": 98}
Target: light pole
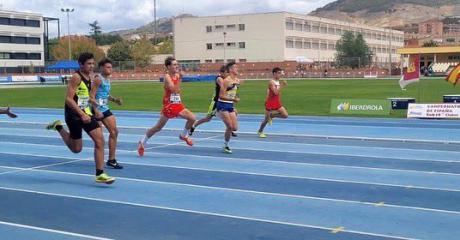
{"x": 155, "y": 26}
{"x": 225, "y": 43}
{"x": 68, "y": 11}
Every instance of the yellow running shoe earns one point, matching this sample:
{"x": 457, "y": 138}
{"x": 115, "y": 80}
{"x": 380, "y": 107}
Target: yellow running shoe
{"x": 104, "y": 178}
{"x": 53, "y": 125}
{"x": 262, "y": 135}
{"x": 227, "y": 150}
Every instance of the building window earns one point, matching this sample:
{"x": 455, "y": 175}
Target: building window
{"x": 231, "y": 27}
{"x": 5, "y": 39}
{"x": 241, "y": 27}
{"x": 323, "y": 46}
{"x": 209, "y": 46}
{"x": 289, "y": 44}
{"x": 18, "y": 55}
{"x": 219, "y": 61}
{"x": 331, "y": 46}
{"x": 17, "y": 22}
{"x": 298, "y": 26}
{"x": 315, "y": 29}
{"x": 231, "y": 61}
{"x": 32, "y": 23}
{"x": 338, "y": 31}
{"x": 289, "y": 25}
{"x": 208, "y": 61}
{"x": 219, "y": 45}
{"x": 4, "y": 21}
{"x": 298, "y": 44}
{"x": 315, "y": 45}
{"x": 242, "y": 44}
{"x": 219, "y": 27}
{"x": 34, "y": 56}
{"x": 4, "y": 55}
{"x": 242, "y": 60}
{"x": 20, "y": 40}
{"x": 33, "y": 40}
{"x": 231, "y": 44}
{"x": 324, "y": 30}
{"x": 208, "y": 29}
{"x": 331, "y": 31}
{"x": 307, "y": 45}
{"x": 307, "y": 28}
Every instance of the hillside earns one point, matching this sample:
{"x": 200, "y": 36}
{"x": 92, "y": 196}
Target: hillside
{"x": 386, "y": 13}
{"x": 164, "y": 27}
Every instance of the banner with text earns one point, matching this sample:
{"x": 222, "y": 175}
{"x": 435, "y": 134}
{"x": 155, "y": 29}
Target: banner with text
{"x": 360, "y": 106}
{"x": 440, "y": 110}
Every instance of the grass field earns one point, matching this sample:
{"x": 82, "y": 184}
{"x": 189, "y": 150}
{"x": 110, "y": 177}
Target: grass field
{"x": 306, "y": 97}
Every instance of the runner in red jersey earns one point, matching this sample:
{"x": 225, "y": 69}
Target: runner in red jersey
{"x": 273, "y": 106}
{"x": 172, "y": 106}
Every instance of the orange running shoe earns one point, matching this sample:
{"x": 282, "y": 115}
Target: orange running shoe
{"x": 188, "y": 140}
{"x": 140, "y": 149}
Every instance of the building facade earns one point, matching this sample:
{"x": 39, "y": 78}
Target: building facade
{"x": 279, "y": 36}
{"x": 21, "y": 39}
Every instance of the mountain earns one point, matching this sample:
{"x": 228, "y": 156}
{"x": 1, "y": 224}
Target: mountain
{"x": 388, "y": 13}
{"x": 164, "y": 27}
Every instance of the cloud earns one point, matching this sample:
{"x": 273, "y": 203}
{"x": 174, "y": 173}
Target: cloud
{"x": 121, "y": 14}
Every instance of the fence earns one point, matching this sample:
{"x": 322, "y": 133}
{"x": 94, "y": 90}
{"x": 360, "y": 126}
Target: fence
{"x": 128, "y": 70}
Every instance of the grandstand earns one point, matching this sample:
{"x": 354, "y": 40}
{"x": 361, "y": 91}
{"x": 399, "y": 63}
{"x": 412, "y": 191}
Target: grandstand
{"x": 438, "y": 61}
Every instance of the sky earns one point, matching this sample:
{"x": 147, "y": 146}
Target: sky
{"x": 125, "y": 14}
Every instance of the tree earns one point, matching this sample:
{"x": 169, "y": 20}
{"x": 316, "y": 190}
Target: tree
{"x": 95, "y": 29}
{"x": 166, "y": 47}
{"x": 430, "y": 43}
{"x": 107, "y": 39}
{"x": 352, "y": 51}
{"x": 142, "y": 51}
{"x": 79, "y": 44}
{"x": 120, "y": 51}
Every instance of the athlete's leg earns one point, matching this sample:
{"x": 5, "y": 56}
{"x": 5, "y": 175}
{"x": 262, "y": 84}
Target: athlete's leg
{"x": 110, "y": 123}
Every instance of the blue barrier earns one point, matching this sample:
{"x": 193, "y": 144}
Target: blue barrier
{"x": 5, "y": 78}
{"x": 196, "y": 78}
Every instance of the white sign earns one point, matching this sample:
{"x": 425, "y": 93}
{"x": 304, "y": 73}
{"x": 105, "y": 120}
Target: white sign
{"x": 439, "y": 110}
{"x": 24, "y": 78}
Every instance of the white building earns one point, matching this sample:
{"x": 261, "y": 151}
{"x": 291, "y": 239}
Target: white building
{"x": 21, "y": 39}
{"x": 278, "y": 36}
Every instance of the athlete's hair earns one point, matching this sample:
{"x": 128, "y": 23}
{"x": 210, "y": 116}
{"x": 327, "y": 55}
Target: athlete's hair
{"x": 169, "y": 60}
{"x": 276, "y": 69}
{"x": 229, "y": 65}
{"x": 85, "y": 57}
{"x": 223, "y": 69}
{"x": 104, "y": 61}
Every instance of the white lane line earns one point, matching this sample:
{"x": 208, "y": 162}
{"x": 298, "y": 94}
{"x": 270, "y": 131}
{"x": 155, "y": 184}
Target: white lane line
{"x": 249, "y": 191}
{"x": 204, "y": 213}
{"x": 294, "y": 134}
{"x": 52, "y": 231}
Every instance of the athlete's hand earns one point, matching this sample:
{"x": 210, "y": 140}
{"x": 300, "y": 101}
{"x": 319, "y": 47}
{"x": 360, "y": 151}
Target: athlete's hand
{"x": 236, "y": 99}
{"x": 99, "y": 115}
{"x": 85, "y": 118}
{"x": 118, "y": 101}
{"x": 284, "y": 83}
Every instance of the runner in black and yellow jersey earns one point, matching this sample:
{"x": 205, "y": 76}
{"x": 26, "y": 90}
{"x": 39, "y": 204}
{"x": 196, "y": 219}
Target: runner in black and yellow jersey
{"x": 79, "y": 116}
{"x": 212, "y": 109}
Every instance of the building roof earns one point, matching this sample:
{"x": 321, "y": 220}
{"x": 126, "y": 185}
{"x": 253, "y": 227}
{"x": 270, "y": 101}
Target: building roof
{"x": 429, "y": 50}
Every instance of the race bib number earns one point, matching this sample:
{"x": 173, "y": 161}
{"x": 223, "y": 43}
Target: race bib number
{"x": 175, "y": 98}
{"x": 83, "y": 102}
{"x": 102, "y": 102}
